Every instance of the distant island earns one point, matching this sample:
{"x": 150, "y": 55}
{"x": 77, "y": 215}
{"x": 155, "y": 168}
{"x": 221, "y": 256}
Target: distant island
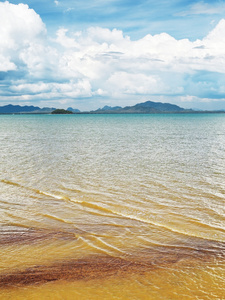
{"x": 148, "y": 107}
{"x": 61, "y": 112}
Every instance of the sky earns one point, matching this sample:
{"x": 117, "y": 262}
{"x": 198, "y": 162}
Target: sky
{"x": 92, "y": 53}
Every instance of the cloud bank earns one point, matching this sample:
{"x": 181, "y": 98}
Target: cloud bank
{"x": 98, "y": 66}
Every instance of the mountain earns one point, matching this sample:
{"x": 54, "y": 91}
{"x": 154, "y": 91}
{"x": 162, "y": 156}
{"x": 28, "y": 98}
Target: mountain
{"x": 17, "y": 109}
{"x": 74, "y": 110}
{"x": 153, "y": 107}
{"x": 46, "y": 110}
{"x": 148, "y": 107}
{"x": 10, "y": 109}
{"x": 109, "y": 108}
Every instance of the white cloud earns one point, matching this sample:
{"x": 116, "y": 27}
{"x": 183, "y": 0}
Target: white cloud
{"x": 216, "y": 38}
{"x": 19, "y": 28}
{"x": 100, "y": 55}
{"x": 202, "y": 8}
{"x": 6, "y": 64}
{"x": 41, "y": 61}
{"x": 64, "y": 40}
{"x": 81, "y": 88}
{"x": 195, "y": 99}
{"x": 126, "y": 83}
{"x": 98, "y": 52}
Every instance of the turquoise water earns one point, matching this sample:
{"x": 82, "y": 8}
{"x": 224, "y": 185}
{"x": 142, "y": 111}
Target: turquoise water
{"x": 122, "y": 184}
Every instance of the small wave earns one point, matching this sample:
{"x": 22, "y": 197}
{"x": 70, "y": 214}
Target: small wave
{"x": 56, "y": 219}
{"x": 10, "y": 182}
{"x": 92, "y": 245}
{"x": 34, "y": 190}
{"x": 109, "y": 246}
{"x": 51, "y": 195}
{"x": 112, "y": 211}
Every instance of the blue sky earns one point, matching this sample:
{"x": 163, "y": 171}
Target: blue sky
{"x": 181, "y": 19}
{"x": 87, "y": 54}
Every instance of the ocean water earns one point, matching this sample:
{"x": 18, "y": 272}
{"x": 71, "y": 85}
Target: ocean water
{"x": 112, "y": 206}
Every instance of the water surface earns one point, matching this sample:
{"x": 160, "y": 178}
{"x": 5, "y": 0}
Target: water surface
{"x": 112, "y": 206}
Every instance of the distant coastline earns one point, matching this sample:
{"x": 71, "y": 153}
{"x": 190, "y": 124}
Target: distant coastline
{"x": 148, "y": 107}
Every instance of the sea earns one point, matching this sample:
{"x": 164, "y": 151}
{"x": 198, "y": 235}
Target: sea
{"x": 118, "y": 206}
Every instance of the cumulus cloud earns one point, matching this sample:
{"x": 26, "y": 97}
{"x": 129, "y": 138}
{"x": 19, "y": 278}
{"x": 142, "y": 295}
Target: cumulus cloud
{"x": 99, "y": 62}
{"x": 97, "y": 48}
{"x": 80, "y": 88}
{"x": 119, "y": 66}
{"x": 19, "y": 28}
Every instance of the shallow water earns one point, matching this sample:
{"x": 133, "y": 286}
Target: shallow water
{"x": 112, "y": 206}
